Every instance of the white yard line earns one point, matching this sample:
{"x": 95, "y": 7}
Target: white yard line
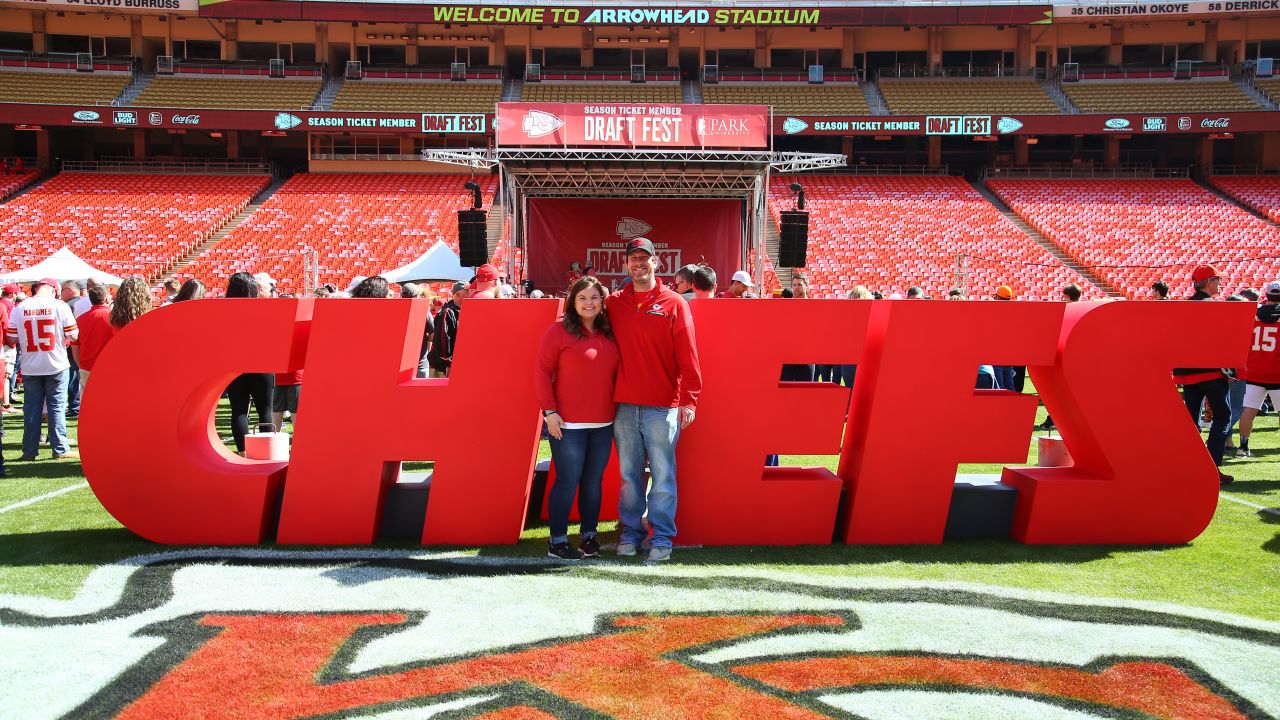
{"x": 1224, "y": 496}
{"x": 46, "y": 496}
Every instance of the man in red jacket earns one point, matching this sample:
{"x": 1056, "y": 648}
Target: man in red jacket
{"x": 656, "y": 391}
{"x": 1262, "y": 369}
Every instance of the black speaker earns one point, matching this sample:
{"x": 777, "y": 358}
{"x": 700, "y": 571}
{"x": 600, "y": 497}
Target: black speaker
{"x": 473, "y": 243}
{"x": 793, "y": 248}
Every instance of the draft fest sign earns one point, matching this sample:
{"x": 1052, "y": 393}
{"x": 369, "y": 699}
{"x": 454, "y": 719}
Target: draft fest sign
{"x": 988, "y": 125}
{"x": 632, "y": 125}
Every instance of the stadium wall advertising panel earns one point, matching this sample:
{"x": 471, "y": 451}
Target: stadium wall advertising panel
{"x": 270, "y": 120}
{"x": 621, "y": 125}
{"x": 979, "y": 125}
{"x": 622, "y": 13}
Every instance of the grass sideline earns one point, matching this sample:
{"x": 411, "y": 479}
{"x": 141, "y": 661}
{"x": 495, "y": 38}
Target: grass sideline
{"x": 49, "y": 548}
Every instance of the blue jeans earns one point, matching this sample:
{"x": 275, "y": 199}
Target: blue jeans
{"x": 580, "y": 459}
{"x": 640, "y": 431}
{"x": 42, "y": 391}
{"x": 1235, "y": 398}
{"x": 73, "y": 388}
{"x": 1004, "y": 377}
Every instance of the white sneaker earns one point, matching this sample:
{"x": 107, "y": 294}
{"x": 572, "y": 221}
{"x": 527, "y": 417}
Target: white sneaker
{"x": 626, "y": 549}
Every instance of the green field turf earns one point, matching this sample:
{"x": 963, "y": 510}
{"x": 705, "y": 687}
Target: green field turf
{"x": 50, "y": 547}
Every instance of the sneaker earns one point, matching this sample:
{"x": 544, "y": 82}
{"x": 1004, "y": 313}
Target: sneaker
{"x": 1224, "y": 479}
{"x": 1243, "y": 453}
{"x": 26, "y": 458}
{"x": 563, "y": 551}
{"x": 658, "y": 554}
{"x": 627, "y": 549}
{"x": 589, "y": 547}
{"x": 68, "y": 455}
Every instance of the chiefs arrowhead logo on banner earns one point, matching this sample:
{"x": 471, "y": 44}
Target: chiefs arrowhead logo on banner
{"x": 538, "y": 124}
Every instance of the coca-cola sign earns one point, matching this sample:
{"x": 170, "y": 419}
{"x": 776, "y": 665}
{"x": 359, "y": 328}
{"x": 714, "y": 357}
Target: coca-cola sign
{"x": 185, "y": 120}
{"x": 1221, "y": 122}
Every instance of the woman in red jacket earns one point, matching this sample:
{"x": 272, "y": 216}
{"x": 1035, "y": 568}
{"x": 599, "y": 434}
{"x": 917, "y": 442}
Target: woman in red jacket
{"x": 574, "y": 375}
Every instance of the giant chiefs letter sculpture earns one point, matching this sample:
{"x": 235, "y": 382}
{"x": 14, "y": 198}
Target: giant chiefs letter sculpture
{"x": 1141, "y": 473}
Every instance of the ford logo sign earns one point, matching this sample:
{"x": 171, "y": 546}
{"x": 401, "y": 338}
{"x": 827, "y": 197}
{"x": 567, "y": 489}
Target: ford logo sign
{"x": 1117, "y": 123}
{"x": 86, "y": 115}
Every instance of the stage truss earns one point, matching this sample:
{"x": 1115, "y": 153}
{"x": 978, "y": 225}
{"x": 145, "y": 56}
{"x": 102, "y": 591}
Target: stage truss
{"x": 635, "y": 173}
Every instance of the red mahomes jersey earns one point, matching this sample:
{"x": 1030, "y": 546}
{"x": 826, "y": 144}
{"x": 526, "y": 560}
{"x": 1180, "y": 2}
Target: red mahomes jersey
{"x": 1263, "y": 365}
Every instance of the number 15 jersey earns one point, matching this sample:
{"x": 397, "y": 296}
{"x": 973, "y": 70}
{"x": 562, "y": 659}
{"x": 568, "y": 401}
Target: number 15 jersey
{"x": 1263, "y": 365}
{"x": 42, "y": 327}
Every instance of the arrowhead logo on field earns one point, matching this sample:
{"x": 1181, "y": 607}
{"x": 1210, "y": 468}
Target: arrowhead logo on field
{"x": 740, "y": 642}
{"x": 629, "y": 227}
{"x": 538, "y": 124}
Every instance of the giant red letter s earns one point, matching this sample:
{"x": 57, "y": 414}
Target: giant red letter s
{"x": 147, "y": 438}
{"x": 1141, "y": 473}
{"x": 480, "y": 426}
{"x": 727, "y": 496}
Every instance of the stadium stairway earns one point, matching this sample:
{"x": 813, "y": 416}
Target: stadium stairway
{"x": 1254, "y": 93}
{"x": 328, "y": 91}
{"x": 1204, "y": 183}
{"x": 512, "y": 90}
{"x": 1054, "y": 91}
{"x": 131, "y": 91}
{"x": 691, "y": 90}
{"x": 493, "y": 227}
{"x": 772, "y": 240}
{"x": 219, "y": 234}
{"x": 875, "y": 100}
{"x": 1043, "y": 241}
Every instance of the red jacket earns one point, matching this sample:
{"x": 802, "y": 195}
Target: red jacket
{"x": 659, "y": 358}
{"x": 95, "y": 332}
{"x": 575, "y": 376}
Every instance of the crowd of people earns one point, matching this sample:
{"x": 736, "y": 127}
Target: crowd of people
{"x": 618, "y": 370}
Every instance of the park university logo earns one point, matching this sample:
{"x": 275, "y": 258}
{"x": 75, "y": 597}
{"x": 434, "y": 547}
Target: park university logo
{"x": 237, "y": 634}
{"x": 538, "y": 124}
{"x": 629, "y": 227}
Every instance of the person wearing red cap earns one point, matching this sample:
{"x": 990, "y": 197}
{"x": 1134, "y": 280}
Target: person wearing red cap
{"x": 1201, "y": 385}
{"x": 657, "y": 391}
{"x": 42, "y": 328}
{"x": 485, "y": 283}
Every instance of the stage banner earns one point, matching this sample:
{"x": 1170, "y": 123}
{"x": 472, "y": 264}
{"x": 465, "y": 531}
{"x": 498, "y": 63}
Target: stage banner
{"x": 633, "y": 125}
{"x": 594, "y": 232}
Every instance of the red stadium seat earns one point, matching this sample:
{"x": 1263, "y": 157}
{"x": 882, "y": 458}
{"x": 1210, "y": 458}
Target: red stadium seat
{"x": 360, "y": 224}
{"x": 123, "y": 224}
{"x": 1260, "y": 193}
{"x": 1138, "y": 231}
{"x": 889, "y": 233}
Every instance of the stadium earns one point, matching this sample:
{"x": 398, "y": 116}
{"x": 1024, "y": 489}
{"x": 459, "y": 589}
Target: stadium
{"x": 396, "y": 566}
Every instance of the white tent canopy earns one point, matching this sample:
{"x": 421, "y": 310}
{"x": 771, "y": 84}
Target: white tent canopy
{"x": 438, "y": 263}
{"x": 62, "y": 265}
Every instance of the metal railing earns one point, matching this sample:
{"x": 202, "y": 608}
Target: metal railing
{"x": 872, "y": 169}
{"x": 1243, "y": 170}
{"x": 1095, "y": 172}
{"x": 169, "y": 167}
{"x": 970, "y": 70}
